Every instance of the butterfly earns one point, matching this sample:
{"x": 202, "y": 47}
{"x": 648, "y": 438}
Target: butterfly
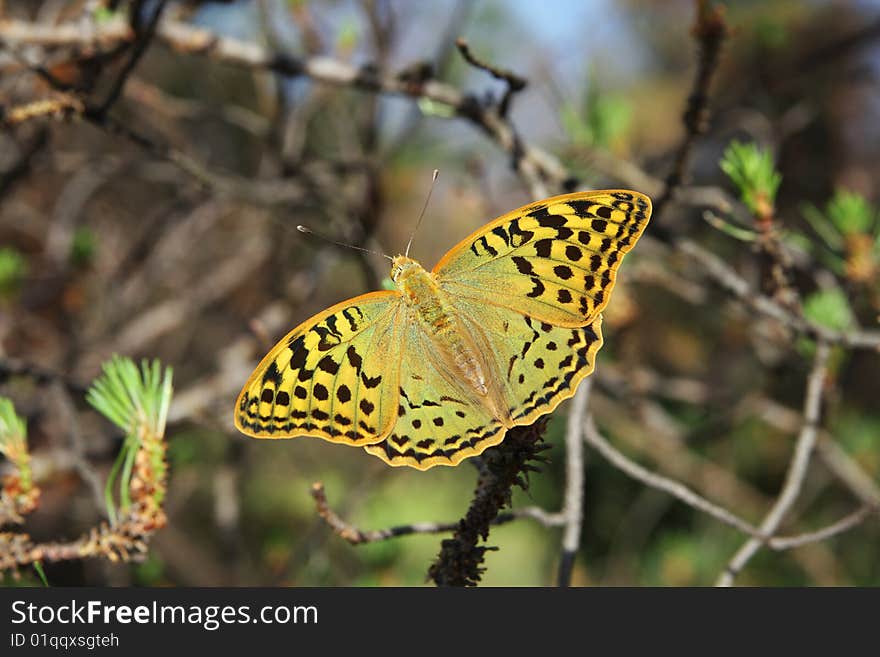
{"x": 501, "y": 331}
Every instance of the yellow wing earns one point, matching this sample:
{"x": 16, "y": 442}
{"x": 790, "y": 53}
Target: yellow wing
{"x": 440, "y": 421}
{"x": 555, "y": 260}
{"x": 537, "y": 364}
{"x": 335, "y": 376}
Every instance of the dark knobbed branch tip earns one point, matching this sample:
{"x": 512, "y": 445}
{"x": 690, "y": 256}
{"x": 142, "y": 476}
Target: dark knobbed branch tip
{"x": 460, "y": 560}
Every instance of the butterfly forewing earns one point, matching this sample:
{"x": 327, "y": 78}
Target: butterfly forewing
{"x": 555, "y": 260}
{"x": 334, "y": 376}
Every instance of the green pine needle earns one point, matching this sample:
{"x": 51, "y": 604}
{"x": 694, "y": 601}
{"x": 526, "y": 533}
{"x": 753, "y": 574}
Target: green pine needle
{"x": 38, "y": 567}
{"x": 13, "y": 440}
{"x": 13, "y": 429}
{"x": 753, "y": 172}
{"x": 829, "y": 308}
{"x": 851, "y": 213}
{"x": 137, "y": 401}
{"x": 13, "y": 268}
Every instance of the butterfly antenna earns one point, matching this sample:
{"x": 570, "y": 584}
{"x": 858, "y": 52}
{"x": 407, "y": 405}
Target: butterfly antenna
{"x": 422, "y": 215}
{"x": 309, "y": 231}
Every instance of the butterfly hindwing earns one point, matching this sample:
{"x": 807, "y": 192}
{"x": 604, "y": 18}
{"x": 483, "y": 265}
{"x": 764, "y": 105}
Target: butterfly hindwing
{"x": 538, "y": 365}
{"x": 439, "y": 420}
{"x": 334, "y": 376}
{"x": 555, "y": 260}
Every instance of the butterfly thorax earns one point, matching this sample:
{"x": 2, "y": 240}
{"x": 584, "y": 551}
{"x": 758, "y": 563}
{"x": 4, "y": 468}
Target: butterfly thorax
{"x": 430, "y": 306}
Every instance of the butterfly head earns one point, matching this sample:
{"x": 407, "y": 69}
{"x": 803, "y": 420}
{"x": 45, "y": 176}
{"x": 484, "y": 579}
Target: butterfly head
{"x": 402, "y": 268}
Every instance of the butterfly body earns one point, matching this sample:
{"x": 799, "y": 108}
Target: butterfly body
{"x": 430, "y": 306}
{"x": 497, "y": 334}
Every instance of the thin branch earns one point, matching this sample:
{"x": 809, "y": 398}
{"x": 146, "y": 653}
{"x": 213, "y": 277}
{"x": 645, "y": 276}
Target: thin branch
{"x": 858, "y": 482}
{"x": 142, "y": 42}
{"x": 689, "y": 497}
{"x": 573, "y": 508}
{"x": 739, "y": 287}
{"x": 514, "y": 82}
{"x": 61, "y": 106}
{"x": 710, "y": 31}
{"x": 797, "y": 468}
{"x": 848, "y": 472}
{"x": 844, "y": 524}
{"x": 356, "y": 536}
{"x": 667, "y": 485}
{"x": 460, "y": 560}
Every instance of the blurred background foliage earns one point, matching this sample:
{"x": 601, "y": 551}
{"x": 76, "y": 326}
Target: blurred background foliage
{"x": 104, "y": 248}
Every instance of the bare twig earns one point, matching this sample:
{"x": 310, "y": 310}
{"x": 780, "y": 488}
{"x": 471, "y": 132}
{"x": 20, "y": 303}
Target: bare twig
{"x": 709, "y": 30}
{"x": 736, "y": 285}
{"x": 59, "y": 106}
{"x": 858, "y": 482}
{"x": 594, "y": 438}
{"x": 844, "y": 524}
{"x": 797, "y": 469}
{"x": 654, "y": 480}
{"x": 848, "y": 472}
{"x": 514, "y": 82}
{"x": 573, "y": 508}
{"x": 357, "y": 536}
{"x": 143, "y": 37}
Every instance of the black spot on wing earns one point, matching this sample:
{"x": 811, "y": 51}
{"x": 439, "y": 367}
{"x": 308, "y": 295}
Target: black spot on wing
{"x": 371, "y": 382}
{"x": 563, "y": 271}
{"x": 522, "y": 265}
{"x": 543, "y": 248}
{"x": 329, "y": 335}
{"x": 518, "y": 236}
{"x": 272, "y": 374}
{"x": 327, "y": 364}
{"x": 581, "y": 207}
{"x": 552, "y": 221}
{"x": 500, "y": 232}
{"x": 353, "y": 315}
{"x": 538, "y": 288}
{"x": 354, "y": 359}
{"x": 484, "y": 243}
